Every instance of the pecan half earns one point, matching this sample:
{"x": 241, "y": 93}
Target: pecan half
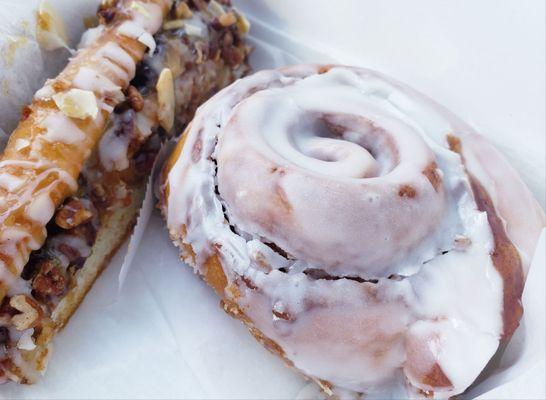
{"x": 29, "y": 315}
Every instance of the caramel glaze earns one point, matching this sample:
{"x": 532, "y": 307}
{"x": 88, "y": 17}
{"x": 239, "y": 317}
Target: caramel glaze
{"x": 505, "y": 256}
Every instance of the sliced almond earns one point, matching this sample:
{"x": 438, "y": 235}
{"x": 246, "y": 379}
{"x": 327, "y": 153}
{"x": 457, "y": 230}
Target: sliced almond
{"x": 242, "y": 24}
{"x": 174, "y": 24}
{"x": 216, "y": 8}
{"x": 77, "y": 103}
{"x": 183, "y": 11}
{"x": 166, "y": 99}
{"x": 227, "y": 19}
{"x": 194, "y": 30}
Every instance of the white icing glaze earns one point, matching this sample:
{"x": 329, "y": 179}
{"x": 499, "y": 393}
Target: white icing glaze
{"x": 113, "y": 146}
{"x": 41, "y": 208}
{"x": 148, "y": 40}
{"x": 113, "y": 150}
{"x": 21, "y": 144}
{"x": 10, "y": 182}
{"x": 148, "y": 15}
{"x": 90, "y": 36}
{"x": 130, "y": 29}
{"x": 314, "y": 163}
{"x": 89, "y": 79}
{"x": 114, "y": 53}
{"x": 114, "y": 69}
{"x": 59, "y": 128}
{"x": 45, "y": 92}
{"x": 365, "y": 190}
{"x": 135, "y": 31}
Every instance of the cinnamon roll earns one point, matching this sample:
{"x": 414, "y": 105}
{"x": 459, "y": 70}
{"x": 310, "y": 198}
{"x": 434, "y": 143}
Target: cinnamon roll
{"x": 73, "y": 174}
{"x": 362, "y": 232}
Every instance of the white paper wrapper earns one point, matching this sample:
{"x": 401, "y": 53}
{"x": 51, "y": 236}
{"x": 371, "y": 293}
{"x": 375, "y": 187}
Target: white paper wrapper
{"x": 164, "y": 335}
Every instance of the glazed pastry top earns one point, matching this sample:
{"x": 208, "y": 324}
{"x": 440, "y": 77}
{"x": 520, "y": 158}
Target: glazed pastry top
{"x": 323, "y": 162}
{"x": 358, "y": 224}
{"x": 57, "y": 133}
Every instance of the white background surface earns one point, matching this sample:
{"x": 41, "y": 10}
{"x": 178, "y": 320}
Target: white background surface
{"x": 165, "y": 336}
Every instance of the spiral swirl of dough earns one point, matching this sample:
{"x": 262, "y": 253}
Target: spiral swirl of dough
{"x": 361, "y": 231}
{"x": 323, "y": 169}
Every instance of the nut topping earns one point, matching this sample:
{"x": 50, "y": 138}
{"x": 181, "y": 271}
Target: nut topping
{"x": 461, "y": 242}
{"x": 227, "y": 19}
{"x": 166, "y": 99}
{"x": 30, "y": 312}
{"x": 135, "y": 98}
{"x": 242, "y": 24}
{"x": 73, "y": 213}
{"x": 77, "y": 103}
{"x": 183, "y": 11}
{"x": 50, "y": 282}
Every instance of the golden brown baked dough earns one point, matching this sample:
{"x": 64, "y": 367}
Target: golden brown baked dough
{"x": 85, "y": 148}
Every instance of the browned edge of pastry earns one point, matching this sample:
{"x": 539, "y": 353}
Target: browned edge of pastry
{"x": 505, "y": 256}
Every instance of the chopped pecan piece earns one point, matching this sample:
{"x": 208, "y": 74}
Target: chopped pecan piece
{"x": 407, "y": 191}
{"x": 98, "y": 194}
{"x": 106, "y": 15}
{"x": 135, "y": 99}
{"x": 86, "y": 231}
{"x": 107, "y": 11}
{"x": 70, "y": 252}
{"x": 233, "y": 55}
{"x": 279, "y": 312}
{"x": 25, "y": 112}
{"x": 50, "y": 282}
{"x": 6, "y": 309}
{"x": 29, "y": 312}
{"x": 73, "y": 213}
